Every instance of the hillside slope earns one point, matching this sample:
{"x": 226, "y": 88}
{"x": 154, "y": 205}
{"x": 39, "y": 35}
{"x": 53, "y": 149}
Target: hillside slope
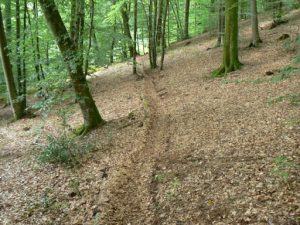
{"x": 178, "y": 148}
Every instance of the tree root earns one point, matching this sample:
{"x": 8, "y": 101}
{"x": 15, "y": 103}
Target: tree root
{"x": 84, "y": 129}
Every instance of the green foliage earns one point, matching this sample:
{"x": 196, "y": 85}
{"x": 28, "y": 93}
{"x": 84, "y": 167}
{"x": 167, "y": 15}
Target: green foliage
{"x": 293, "y": 99}
{"x": 293, "y": 121}
{"x": 74, "y": 185}
{"x": 283, "y": 167}
{"x": 284, "y": 73}
{"x": 63, "y": 148}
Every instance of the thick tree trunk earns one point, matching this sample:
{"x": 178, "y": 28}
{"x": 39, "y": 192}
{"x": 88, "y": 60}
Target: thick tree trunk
{"x": 254, "y": 22}
{"x": 8, "y": 73}
{"x": 186, "y": 19}
{"x": 230, "y": 53}
{"x": 69, "y": 52}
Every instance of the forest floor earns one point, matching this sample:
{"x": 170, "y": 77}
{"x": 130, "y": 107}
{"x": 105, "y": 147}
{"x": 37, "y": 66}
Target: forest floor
{"x": 179, "y": 147}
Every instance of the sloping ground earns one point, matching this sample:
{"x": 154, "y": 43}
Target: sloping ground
{"x": 179, "y": 147}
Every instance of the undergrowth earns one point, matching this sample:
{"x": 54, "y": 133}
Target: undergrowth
{"x": 63, "y": 148}
{"x": 283, "y": 168}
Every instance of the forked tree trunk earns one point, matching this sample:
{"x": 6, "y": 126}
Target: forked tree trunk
{"x": 8, "y": 73}
{"x": 91, "y": 115}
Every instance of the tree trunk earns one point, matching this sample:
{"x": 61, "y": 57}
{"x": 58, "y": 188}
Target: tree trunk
{"x": 230, "y": 53}
{"x": 20, "y": 76}
{"x": 92, "y": 118}
{"x": 8, "y": 73}
{"x": 135, "y": 24}
{"x": 163, "y": 44}
{"x": 7, "y": 18}
{"x": 159, "y": 22}
{"x": 91, "y": 33}
{"x": 126, "y": 27}
{"x": 221, "y": 24}
{"x": 186, "y": 19}
{"x": 254, "y": 22}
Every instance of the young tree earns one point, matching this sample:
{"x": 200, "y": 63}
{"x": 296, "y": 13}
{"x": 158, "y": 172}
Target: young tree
{"x": 230, "y": 53}
{"x": 126, "y": 26}
{"x": 186, "y": 19}
{"x": 254, "y": 21}
{"x": 91, "y": 115}
{"x": 221, "y": 23}
{"x": 17, "y": 108}
{"x": 135, "y": 24}
{"x": 163, "y": 44}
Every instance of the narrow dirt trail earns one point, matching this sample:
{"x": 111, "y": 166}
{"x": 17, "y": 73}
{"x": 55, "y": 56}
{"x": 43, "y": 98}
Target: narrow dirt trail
{"x": 131, "y": 199}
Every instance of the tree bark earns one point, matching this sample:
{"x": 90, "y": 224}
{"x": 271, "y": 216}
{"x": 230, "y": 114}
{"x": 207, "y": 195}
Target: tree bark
{"x": 254, "y": 23}
{"x": 8, "y": 73}
{"x": 126, "y": 27}
{"x": 221, "y": 23}
{"x": 91, "y": 115}
{"x": 159, "y": 22}
{"x": 135, "y": 24}
{"x": 230, "y": 52}
{"x": 186, "y": 19}
{"x": 163, "y": 44}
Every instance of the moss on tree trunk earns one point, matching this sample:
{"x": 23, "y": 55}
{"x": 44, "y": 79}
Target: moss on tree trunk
{"x": 91, "y": 115}
{"x": 231, "y": 52}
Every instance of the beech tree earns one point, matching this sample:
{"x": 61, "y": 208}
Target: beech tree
{"x": 15, "y": 102}
{"x": 230, "y": 52}
{"x": 91, "y": 115}
{"x": 254, "y": 24}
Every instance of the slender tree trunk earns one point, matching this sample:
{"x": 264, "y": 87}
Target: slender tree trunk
{"x": 221, "y": 24}
{"x": 112, "y": 46}
{"x": 126, "y": 26}
{"x": 24, "y": 71}
{"x": 135, "y": 24}
{"x": 69, "y": 52}
{"x": 41, "y": 73}
{"x": 163, "y": 44}
{"x": 91, "y": 33}
{"x": 7, "y": 18}
{"x": 186, "y": 19}
{"x": 159, "y": 22}
{"x": 254, "y": 22}
{"x": 8, "y": 73}
{"x": 20, "y": 76}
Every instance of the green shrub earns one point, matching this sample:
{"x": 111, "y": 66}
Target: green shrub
{"x": 283, "y": 168}
{"x": 63, "y": 148}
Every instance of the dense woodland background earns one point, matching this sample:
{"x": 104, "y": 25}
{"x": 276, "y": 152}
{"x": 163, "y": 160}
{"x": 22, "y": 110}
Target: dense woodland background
{"x": 106, "y": 32}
